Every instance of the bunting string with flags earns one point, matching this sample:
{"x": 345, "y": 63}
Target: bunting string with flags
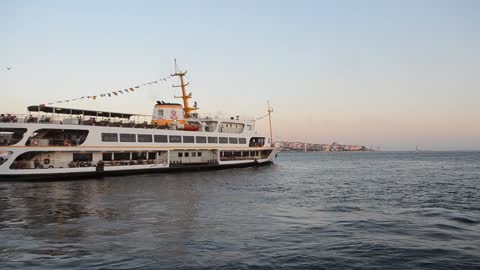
{"x": 112, "y": 93}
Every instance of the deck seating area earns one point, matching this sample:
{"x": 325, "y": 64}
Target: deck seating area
{"x": 104, "y": 122}
{"x": 8, "y": 118}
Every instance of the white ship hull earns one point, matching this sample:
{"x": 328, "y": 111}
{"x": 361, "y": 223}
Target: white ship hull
{"x": 55, "y": 162}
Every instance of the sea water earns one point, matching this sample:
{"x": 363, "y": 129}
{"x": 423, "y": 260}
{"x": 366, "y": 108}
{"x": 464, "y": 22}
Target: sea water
{"x": 362, "y": 210}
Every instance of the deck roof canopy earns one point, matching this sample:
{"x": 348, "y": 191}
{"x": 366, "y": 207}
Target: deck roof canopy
{"x": 47, "y": 109}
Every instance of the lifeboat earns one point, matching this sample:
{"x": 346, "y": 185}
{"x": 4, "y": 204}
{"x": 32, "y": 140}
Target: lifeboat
{"x": 188, "y": 127}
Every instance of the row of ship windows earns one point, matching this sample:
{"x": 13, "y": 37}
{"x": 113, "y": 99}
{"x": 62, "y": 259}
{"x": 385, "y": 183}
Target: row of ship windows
{"x": 148, "y": 138}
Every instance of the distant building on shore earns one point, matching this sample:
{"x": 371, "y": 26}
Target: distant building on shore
{"x": 309, "y": 147}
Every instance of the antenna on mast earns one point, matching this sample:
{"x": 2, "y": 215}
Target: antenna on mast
{"x": 270, "y": 110}
{"x": 176, "y": 66}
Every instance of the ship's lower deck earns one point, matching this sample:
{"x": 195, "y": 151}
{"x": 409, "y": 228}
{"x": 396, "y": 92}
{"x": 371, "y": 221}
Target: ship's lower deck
{"x": 48, "y": 164}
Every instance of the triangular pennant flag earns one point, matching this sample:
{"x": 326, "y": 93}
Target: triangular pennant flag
{"x": 125, "y": 90}
{"x": 137, "y": 86}
{"x": 120, "y": 91}
{"x": 109, "y": 95}
{"x": 131, "y": 89}
{"x": 115, "y": 93}
{"x": 94, "y": 97}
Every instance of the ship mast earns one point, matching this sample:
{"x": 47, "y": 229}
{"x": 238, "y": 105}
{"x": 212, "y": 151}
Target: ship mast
{"x": 270, "y": 110}
{"x": 186, "y": 107}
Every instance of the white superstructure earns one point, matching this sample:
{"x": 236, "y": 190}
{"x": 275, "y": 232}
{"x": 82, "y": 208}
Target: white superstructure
{"x": 62, "y": 142}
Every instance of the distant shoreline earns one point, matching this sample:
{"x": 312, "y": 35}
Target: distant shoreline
{"x": 311, "y": 147}
{"x": 342, "y": 151}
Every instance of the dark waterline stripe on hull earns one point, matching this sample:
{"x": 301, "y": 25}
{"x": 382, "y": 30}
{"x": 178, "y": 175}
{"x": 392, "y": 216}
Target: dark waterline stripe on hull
{"x": 95, "y": 175}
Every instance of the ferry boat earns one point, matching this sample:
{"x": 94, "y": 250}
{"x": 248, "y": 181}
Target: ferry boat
{"x": 51, "y": 142}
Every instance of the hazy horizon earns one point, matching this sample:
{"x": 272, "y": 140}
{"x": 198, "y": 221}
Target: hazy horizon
{"x": 394, "y": 74}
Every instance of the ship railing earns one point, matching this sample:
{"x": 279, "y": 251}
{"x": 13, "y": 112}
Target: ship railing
{"x": 224, "y": 116}
{"x": 252, "y": 144}
{"x": 44, "y": 118}
{"x": 13, "y": 118}
{"x": 136, "y": 121}
{"x": 238, "y": 158}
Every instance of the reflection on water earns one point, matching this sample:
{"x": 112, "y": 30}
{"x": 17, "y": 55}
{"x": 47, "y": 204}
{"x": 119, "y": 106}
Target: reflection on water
{"x": 342, "y": 210}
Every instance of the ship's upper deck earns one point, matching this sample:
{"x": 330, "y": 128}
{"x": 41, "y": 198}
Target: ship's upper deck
{"x": 71, "y": 116}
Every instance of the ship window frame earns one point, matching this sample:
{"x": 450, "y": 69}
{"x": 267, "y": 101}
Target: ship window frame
{"x": 158, "y": 138}
{"x": 82, "y": 156}
{"x": 117, "y": 154}
{"x": 232, "y": 140}
{"x": 173, "y": 139}
{"x": 128, "y": 137}
{"x": 199, "y": 154}
{"x": 180, "y": 154}
{"x": 242, "y": 139}
{"x": 203, "y": 139}
{"x": 188, "y": 139}
{"x": 16, "y": 136}
{"x": 139, "y": 156}
{"x": 104, "y": 137}
{"x": 108, "y": 158}
{"x": 211, "y": 139}
{"x": 146, "y": 138}
{"x": 223, "y": 140}
{"x": 149, "y": 155}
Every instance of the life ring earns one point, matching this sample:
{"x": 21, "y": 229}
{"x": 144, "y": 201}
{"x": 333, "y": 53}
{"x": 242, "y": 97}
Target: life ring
{"x": 173, "y": 115}
{"x": 46, "y": 161}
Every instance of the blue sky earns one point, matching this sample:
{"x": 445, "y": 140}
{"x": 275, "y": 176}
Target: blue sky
{"x": 396, "y": 74}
